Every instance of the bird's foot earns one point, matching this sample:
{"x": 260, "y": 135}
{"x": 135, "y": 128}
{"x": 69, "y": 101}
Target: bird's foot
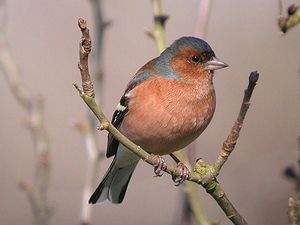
{"x": 184, "y": 174}
{"x": 159, "y": 166}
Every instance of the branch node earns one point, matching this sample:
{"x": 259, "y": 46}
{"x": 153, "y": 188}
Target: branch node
{"x": 103, "y": 126}
{"x": 228, "y": 147}
{"x": 26, "y": 185}
{"x": 161, "y": 19}
{"x": 205, "y": 171}
{"x": 88, "y": 88}
{"x": 78, "y": 89}
{"x": 149, "y": 33}
{"x": 86, "y": 46}
{"x": 290, "y": 173}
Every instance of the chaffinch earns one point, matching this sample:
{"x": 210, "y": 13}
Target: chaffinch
{"x": 167, "y": 105}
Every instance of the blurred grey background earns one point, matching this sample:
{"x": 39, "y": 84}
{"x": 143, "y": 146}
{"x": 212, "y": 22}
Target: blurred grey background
{"x": 44, "y": 39}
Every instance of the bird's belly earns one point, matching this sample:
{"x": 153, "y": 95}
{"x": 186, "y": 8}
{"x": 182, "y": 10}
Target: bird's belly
{"x": 162, "y": 129}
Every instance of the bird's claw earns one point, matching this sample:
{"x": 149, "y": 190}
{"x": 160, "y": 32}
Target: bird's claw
{"x": 159, "y": 166}
{"x": 184, "y": 174}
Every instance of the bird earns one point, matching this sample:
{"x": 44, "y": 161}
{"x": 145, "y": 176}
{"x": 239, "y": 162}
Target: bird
{"x": 166, "y": 105}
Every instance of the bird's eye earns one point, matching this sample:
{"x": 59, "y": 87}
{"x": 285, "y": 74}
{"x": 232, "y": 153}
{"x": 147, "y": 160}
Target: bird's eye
{"x": 195, "y": 59}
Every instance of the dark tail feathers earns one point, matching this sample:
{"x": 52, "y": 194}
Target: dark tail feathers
{"x": 114, "y": 184}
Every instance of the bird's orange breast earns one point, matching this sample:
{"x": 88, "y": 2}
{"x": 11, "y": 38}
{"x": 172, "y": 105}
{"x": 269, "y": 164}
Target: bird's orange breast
{"x": 166, "y": 115}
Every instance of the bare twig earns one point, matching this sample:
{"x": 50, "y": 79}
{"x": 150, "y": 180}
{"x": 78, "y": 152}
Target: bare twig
{"x": 90, "y": 141}
{"x": 231, "y": 140}
{"x": 27, "y": 186}
{"x": 203, "y": 173}
{"x": 210, "y": 183}
{"x": 84, "y": 51}
{"x": 94, "y": 157}
{"x": 159, "y": 26}
{"x": 101, "y": 24}
{"x": 94, "y": 153}
{"x": 204, "y": 13}
{"x": 37, "y": 192}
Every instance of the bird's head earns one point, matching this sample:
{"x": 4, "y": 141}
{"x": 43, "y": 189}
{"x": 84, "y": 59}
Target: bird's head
{"x": 192, "y": 57}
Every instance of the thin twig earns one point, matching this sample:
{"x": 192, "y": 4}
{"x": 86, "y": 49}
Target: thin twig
{"x": 28, "y": 188}
{"x": 38, "y": 191}
{"x": 203, "y": 173}
{"x": 94, "y": 153}
{"x": 84, "y": 51}
{"x": 233, "y": 136}
{"x": 159, "y": 26}
{"x": 94, "y": 157}
{"x": 204, "y": 13}
{"x": 90, "y": 140}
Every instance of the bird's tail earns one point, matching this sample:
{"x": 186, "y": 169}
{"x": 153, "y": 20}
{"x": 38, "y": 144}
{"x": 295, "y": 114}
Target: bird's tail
{"x": 114, "y": 184}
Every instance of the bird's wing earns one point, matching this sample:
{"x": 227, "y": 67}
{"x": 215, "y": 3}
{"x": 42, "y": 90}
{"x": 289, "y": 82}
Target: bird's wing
{"x": 122, "y": 108}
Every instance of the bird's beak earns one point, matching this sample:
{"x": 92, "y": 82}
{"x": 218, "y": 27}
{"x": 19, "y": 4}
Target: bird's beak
{"x": 215, "y": 64}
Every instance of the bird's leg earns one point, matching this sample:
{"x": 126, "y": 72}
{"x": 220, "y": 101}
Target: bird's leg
{"x": 184, "y": 171}
{"x": 159, "y": 166}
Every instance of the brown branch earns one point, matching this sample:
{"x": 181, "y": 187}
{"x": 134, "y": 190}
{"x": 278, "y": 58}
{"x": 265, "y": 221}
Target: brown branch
{"x": 233, "y": 136}
{"x": 159, "y": 26}
{"x": 93, "y": 161}
{"x": 28, "y": 188}
{"x": 9, "y": 67}
{"x": 101, "y": 24}
{"x": 204, "y": 13}
{"x": 89, "y": 137}
{"x": 36, "y": 192}
{"x": 94, "y": 153}
{"x": 88, "y": 134}
{"x": 84, "y": 51}
{"x": 203, "y": 173}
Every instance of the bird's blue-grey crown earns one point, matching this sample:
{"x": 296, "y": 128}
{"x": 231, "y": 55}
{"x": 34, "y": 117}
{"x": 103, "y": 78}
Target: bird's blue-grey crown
{"x": 163, "y": 64}
{"x": 192, "y": 42}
